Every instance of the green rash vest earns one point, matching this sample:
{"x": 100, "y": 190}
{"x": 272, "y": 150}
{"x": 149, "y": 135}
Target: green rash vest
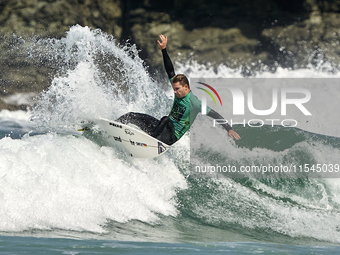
{"x": 183, "y": 113}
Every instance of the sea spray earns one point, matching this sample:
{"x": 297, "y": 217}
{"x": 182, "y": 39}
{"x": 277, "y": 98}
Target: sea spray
{"x": 97, "y": 78}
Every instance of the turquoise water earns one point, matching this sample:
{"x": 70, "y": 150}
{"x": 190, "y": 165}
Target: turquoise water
{"x": 30, "y": 245}
{"x": 62, "y": 193}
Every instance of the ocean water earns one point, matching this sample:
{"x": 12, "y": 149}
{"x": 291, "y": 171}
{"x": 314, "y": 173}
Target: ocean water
{"x": 62, "y": 193}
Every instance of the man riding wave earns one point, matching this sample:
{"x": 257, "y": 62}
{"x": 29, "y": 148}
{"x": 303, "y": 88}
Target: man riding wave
{"x": 169, "y": 129}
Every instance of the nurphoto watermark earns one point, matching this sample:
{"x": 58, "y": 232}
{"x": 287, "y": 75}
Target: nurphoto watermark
{"x": 287, "y": 128}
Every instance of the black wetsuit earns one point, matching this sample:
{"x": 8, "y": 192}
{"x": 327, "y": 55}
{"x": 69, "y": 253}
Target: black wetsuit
{"x": 162, "y": 129}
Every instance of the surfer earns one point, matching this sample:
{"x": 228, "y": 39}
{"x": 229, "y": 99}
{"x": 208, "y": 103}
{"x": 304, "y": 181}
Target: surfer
{"x": 169, "y": 129}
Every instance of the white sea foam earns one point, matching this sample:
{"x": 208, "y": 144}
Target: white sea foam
{"x": 20, "y": 98}
{"x": 66, "y": 182}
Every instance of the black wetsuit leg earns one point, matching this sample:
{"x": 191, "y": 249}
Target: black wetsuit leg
{"x": 165, "y": 131}
{"x": 144, "y": 121}
{"x": 162, "y": 130}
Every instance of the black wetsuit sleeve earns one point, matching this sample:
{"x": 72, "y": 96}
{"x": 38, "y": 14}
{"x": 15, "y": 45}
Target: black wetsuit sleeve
{"x": 169, "y": 68}
{"x": 216, "y": 115}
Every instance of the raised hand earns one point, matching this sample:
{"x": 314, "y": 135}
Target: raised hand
{"x": 163, "y": 42}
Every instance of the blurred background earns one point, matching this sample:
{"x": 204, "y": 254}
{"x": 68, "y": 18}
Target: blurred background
{"x": 251, "y": 35}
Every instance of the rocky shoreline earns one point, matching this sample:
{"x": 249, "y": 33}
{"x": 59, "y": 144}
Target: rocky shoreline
{"x": 250, "y": 34}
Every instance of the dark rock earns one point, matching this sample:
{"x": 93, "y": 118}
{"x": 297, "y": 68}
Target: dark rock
{"x": 236, "y": 33}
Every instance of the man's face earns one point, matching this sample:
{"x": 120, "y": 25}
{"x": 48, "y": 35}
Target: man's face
{"x": 179, "y": 90}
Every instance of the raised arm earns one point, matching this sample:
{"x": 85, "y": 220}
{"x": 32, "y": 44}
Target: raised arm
{"x": 169, "y": 68}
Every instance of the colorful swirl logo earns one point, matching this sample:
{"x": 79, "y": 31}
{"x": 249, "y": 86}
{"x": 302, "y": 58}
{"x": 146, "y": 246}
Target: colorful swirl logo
{"x": 209, "y": 93}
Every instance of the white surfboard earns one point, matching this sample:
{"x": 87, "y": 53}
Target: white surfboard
{"x": 138, "y": 143}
